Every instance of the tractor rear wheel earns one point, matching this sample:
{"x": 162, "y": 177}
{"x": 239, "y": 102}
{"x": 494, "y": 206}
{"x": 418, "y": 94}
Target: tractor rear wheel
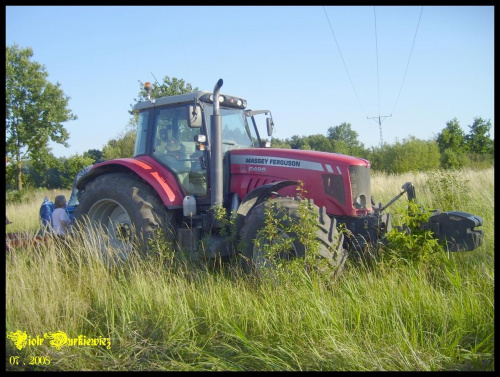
{"x": 126, "y": 209}
{"x": 286, "y": 210}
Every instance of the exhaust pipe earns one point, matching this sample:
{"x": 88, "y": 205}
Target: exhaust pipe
{"x": 216, "y": 173}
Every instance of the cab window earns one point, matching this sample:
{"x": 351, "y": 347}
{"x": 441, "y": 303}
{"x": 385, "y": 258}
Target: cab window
{"x": 174, "y": 146}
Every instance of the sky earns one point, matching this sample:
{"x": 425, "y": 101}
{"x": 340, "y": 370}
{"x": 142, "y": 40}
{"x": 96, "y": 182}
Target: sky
{"x": 313, "y": 67}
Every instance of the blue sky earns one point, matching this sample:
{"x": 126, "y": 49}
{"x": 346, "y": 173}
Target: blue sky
{"x": 285, "y": 59}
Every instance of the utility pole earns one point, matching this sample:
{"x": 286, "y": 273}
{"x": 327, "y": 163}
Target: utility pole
{"x": 380, "y": 125}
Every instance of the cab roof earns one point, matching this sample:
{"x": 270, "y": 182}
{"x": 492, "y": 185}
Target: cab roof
{"x": 174, "y": 100}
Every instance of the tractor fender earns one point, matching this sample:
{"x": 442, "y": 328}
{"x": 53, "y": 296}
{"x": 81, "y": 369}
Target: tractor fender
{"x": 257, "y": 196}
{"x": 158, "y": 177}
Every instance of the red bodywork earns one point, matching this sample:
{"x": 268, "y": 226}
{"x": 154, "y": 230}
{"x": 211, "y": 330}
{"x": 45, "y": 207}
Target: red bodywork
{"x": 160, "y": 178}
{"x": 251, "y": 168}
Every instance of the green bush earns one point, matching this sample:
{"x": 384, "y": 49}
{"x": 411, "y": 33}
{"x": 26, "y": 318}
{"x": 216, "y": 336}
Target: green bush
{"x": 410, "y": 243}
{"x": 453, "y": 160}
{"x": 23, "y": 196}
{"x": 411, "y": 154}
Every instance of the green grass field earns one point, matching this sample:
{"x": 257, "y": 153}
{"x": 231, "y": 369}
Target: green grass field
{"x": 168, "y": 313}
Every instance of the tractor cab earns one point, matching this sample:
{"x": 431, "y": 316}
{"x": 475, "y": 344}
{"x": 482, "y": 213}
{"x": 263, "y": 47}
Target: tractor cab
{"x": 176, "y": 131}
{"x": 173, "y": 145}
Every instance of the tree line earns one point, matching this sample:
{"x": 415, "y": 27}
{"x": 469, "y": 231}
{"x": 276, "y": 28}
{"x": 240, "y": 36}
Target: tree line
{"x": 452, "y": 148}
{"x": 36, "y": 110}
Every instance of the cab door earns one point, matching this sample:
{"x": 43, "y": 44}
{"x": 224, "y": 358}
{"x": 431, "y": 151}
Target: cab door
{"x": 174, "y": 147}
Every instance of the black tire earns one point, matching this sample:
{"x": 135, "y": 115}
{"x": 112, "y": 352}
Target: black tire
{"x": 286, "y": 209}
{"x": 127, "y": 209}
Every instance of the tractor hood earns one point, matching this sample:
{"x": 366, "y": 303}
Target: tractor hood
{"x": 298, "y": 158}
{"x": 333, "y": 180}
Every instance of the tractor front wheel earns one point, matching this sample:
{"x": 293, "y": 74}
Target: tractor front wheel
{"x": 255, "y": 244}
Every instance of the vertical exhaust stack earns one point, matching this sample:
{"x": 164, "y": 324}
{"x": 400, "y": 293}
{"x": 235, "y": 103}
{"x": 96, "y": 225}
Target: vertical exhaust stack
{"x": 216, "y": 173}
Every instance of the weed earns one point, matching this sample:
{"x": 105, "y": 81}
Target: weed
{"x": 410, "y": 242}
{"x": 288, "y": 242}
{"x": 449, "y": 190}
{"x": 161, "y": 249}
{"x": 273, "y": 240}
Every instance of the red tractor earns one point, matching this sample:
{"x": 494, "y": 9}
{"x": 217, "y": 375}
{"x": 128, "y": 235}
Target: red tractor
{"x": 199, "y": 151}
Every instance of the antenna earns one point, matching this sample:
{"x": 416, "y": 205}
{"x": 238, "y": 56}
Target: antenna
{"x": 155, "y": 79}
{"x": 380, "y": 125}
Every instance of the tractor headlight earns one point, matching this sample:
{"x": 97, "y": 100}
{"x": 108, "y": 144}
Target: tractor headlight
{"x": 221, "y": 98}
{"x": 225, "y": 100}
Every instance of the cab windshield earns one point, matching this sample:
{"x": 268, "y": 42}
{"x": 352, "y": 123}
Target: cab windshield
{"x": 360, "y": 186}
{"x": 236, "y": 132}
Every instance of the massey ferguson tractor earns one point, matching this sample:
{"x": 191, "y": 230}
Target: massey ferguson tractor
{"x": 199, "y": 151}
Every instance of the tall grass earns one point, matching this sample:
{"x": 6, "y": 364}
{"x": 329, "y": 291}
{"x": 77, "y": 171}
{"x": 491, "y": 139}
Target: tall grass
{"x": 165, "y": 313}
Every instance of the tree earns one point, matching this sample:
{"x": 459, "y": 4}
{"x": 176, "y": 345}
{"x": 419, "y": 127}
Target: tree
{"x": 415, "y": 155}
{"x": 319, "y": 142}
{"x": 297, "y": 142}
{"x": 46, "y": 174}
{"x": 35, "y": 110}
{"x": 343, "y": 132}
{"x": 72, "y": 166}
{"x": 278, "y": 143}
{"x": 452, "y": 137}
{"x": 123, "y": 146}
{"x": 94, "y": 154}
{"x": 411, "y": 154}
{"x": 345, "y": 140}
{"x": 478, "y": 139}
{"x": 453, "y": 160}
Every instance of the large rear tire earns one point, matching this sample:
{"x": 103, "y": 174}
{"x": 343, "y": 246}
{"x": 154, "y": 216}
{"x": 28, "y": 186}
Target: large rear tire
{"x": 286, "y": 210}
{"x": 126, "y": 209}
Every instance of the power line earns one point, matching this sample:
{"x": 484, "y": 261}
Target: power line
{"x": 376, "y": 53}
{"x": 378, "y": 83}
{"x": 345, "y": 66}
{"x": 379, "y": 117}
{"x": 408, "y": 63}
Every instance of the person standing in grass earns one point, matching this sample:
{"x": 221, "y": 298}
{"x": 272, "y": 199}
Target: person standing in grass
{"x": 60, "y": 219}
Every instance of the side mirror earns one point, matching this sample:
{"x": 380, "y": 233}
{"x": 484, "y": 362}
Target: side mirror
{"x": 270, "y": 124}
{"x": 194, "y": 116}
